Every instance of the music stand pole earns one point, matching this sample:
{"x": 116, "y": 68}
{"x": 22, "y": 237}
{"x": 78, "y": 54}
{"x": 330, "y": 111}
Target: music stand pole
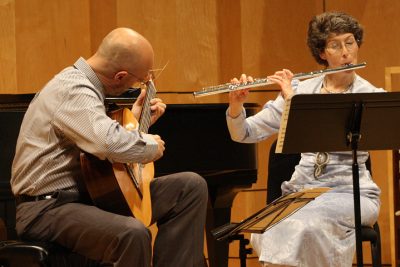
{"x": 353, "y": 137}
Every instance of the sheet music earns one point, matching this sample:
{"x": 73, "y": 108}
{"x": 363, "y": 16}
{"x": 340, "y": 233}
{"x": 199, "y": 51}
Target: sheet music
{"x": 282, "y": 208}
{"x": 282, "y": 128}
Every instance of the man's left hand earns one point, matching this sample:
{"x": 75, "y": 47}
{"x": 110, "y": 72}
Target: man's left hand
{"x": 157, "y": 107}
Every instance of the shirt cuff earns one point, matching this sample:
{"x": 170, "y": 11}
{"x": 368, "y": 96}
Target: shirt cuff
{"x": 151, "y": 147}
{"x": 240, "y": 116}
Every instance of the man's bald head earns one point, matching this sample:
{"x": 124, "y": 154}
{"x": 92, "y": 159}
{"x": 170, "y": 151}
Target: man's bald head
{"x": 123, "y": 58}
{"x": 125, "y": 49}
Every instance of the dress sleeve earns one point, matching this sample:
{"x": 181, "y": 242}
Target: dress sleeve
{"x": 261, "y": 125}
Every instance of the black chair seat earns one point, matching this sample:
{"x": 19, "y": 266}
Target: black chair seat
{"x": 14, "y": 253}
{"x": 368, "y": 234}
{"x": 18, "y": 253}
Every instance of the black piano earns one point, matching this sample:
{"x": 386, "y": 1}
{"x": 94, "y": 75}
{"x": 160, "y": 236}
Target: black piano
{"x": 196, "y": 139}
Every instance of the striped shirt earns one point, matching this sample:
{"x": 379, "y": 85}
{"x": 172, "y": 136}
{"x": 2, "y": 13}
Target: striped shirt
{"x": 67, "y": 116}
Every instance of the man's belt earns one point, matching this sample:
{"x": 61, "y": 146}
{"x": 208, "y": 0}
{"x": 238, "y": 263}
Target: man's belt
{"x": 26, "y": 198}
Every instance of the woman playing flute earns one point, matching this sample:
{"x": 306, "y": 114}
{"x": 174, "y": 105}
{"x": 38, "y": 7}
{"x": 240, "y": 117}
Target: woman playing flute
{"x": 322, "y": 233}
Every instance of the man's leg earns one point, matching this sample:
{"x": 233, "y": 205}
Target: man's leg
{"x": 179, "y": 207}
{"x": 114, "y": 239}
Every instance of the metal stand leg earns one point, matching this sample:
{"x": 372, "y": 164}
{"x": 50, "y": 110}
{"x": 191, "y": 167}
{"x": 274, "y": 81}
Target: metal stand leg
{"x": 353, "y": 137}
{"x": 243, "y": 251}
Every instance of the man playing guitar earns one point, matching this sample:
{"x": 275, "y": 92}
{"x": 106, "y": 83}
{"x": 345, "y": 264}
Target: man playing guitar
{"x": 69, "y": 116}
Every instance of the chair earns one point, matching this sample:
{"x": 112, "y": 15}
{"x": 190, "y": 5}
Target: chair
{"x": 280, "y": 169}
{"x": 15, "y": 252}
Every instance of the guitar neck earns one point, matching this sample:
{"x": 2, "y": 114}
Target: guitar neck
{"x": 145, "y": 117}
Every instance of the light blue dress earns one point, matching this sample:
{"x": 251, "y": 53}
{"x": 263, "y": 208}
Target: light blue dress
{"x": 321, "y": 233}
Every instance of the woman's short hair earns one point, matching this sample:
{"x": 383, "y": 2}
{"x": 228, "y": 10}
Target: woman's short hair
{"x": 322, "y": 26}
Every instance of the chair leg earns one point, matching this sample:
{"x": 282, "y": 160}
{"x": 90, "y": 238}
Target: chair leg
{"x": 376, "y": 248}
{"x": 375, "y": 252}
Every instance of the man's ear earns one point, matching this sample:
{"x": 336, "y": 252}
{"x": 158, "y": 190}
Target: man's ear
{"x": 119, "y": 76}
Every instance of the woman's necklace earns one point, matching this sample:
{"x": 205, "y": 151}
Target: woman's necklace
{"x": 321, "y": 160}
{"x": 325, "y": 87}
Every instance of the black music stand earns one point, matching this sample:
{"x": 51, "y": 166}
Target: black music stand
{"x": 342, "y": 122}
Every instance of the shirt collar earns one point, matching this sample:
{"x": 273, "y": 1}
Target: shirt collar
{"x": 84, "y": 67}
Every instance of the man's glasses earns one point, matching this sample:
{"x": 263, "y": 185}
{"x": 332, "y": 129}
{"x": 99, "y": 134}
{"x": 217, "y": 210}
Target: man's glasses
{"x": 321, "y": 160}
{"x": 336, "y": 47}
{"x": 151, "y": 76}
{"x": 141, "y": 83}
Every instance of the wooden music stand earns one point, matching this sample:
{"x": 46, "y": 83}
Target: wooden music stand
{"x": 341, "y": 122}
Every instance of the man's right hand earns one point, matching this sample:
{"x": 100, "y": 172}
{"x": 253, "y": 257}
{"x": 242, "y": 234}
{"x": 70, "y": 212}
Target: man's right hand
{"x": 161, "y": 147}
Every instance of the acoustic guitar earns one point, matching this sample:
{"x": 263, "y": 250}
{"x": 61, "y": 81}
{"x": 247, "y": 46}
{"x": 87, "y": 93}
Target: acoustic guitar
{"x": 122, "y": 188}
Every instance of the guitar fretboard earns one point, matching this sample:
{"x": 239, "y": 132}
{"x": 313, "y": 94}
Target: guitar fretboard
{"x": 145, "y": 118}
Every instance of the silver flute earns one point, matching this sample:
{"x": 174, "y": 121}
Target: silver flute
{"x": 229, "y": 87}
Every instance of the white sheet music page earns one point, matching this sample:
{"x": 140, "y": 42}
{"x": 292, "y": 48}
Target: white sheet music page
{"x": 282, "y": 128}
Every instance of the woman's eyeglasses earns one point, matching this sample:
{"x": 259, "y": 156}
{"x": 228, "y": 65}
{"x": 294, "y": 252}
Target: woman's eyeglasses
{"x": 336, "y": 47}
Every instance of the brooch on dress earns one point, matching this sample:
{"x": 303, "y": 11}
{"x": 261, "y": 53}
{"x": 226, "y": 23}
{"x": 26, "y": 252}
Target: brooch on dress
{"x": 321, "y": 160}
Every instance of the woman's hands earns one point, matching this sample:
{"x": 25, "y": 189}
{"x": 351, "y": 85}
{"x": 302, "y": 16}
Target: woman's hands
{"x": 238, "y": 97}
{"x": 284, "y": 79}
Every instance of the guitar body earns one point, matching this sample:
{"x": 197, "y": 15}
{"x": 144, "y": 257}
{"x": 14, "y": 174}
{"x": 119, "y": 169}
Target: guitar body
{"x": 137, "y": 199}
{"x": 120, "y": 188}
